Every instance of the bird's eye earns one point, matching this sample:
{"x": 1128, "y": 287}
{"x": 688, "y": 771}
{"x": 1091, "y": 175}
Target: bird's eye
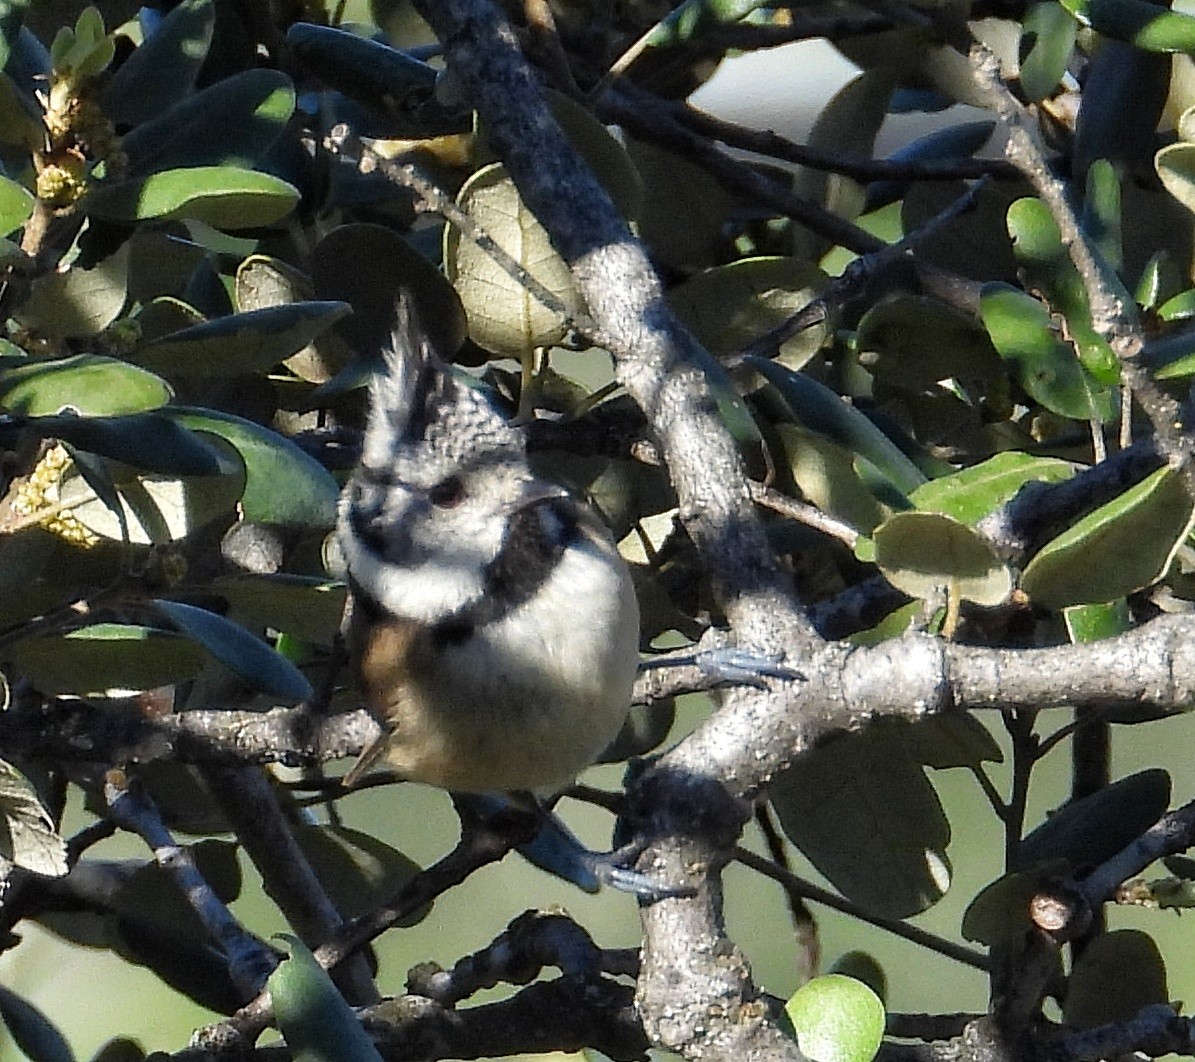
{"x": 447, "y": 493}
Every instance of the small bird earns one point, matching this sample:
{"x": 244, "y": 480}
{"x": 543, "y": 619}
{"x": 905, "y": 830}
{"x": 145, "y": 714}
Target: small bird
{"x": 494, "y": 625}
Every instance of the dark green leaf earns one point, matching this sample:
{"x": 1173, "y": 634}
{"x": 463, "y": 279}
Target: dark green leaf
{"x": 307, "y": 607}
{"x": 950, "y": 739}
{"x": 1000, "y": 911}
{"x": 34, "y": 1034}
{"x": 240, "y": 343}
{"x": 819, "y": 409}
{"x": 238, "y": 650}
{"x": 231, "y": 123}
{"x": 316, "y": 1022}
{"x": 366, "y": 266}
{"x": 163, "y": 70}
{"x": 942, "y": 145}
{"x": 1117, "y": 974}
{"x": 372, "y": 72}
{"x": 729, "y": 306}
{"x": 358, "y": 870}
{"x": 1086, "y": 832}
{"x": 78, "y": 303}
{"x": 105, "y": 656}
{"x": 284, "y": 484}
{"x": 158, "y": 928}
{"x": 926, "y": 553}
{"x": 147, "y": 441}
{"x": 867, "y": 817}
{"x": 1047, "y": 41}
{"x": 911, "y": 342}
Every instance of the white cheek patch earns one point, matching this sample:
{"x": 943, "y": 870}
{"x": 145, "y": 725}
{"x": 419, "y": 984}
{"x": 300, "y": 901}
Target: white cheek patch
{"x": 427, "y": 593}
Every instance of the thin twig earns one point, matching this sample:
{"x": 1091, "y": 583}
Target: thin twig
{"x": 766, "y": 142}
{"x": 1112, "y": 312}
{"x": 341, "y": 141}
{"x": 803, "y": 513}
{"x": 789, "y": 881}
{"x": 854, "y": 280}
{"x": 249, "y": 960}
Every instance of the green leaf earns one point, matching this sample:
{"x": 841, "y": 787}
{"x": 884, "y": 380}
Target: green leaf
{"x": 1000, "y": 911}
{"x": 307, "y": 607}
{"x": 35, "y": 1036}
{"x": 925, "y": 553}
{"x": 819, "y": 409}
{"x": 153, "y": 508}
{"x": 1047, "y": 267}
{"x": 1175, "y": 164}
{"x": 729, "y": 306}
{"x": 284, "y": 485}
{"x": 1101, "y": 212}
{"x": 1146, "y": 26}
{"x": 1160, "y": 283}
{"x": 827, "y": 476}
{"x": 316, "y": 1022}
{"x": 971, "y": 493}
{"x": 912, "y": 342}
{"x": 867, "y": 817}
{"x": 503, "y": 316}
{"x": 837, "y": 1019}
{"x": 1047, "y": 368}
{"x": 90, "y": 384}
{"x": 238, "y": 650}
{"x": 16, "y": 205}
{"x": 1089, "y": 831}
{"x": 693, "y": 17}
{"x": 950, "y": 739}
{"x": 105, "y": 656}
{"x": 163, "y": 70}
{"x": 365, "y": 265}
{"x": 359, "y": 870}
{"x": 1120, "y": 548}
{"x": 231, "y": 123}
{"x": 29, "y": 837}
{"x": 146, "y": 441}
{"x": 1090, "y": 623}
{"x": 1117, "y": 974}
{"x": 225, "y": 197}
{"x": 240, "y": 343}
{"x": 1180, "y": 307}
{"x": 78, "y": 303}
{"x": 1048, "y": 38}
